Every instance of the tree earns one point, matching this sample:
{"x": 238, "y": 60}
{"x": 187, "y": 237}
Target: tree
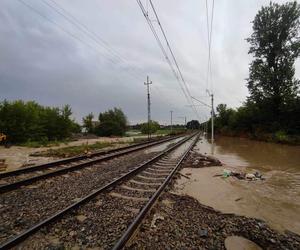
{"x": 225, "y": 118}
{"x": 112, "y": 122}
{"x": 275, "y": 45}
{"x": 88, "y": 123}
{"x": 193, "y": 124}
{"x": 152, "y": 128}
{"x": 24, "y": 121}
{"x": 65, "y": 121}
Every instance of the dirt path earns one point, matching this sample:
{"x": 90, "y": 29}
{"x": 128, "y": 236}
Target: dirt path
{"x": 16, "y": 156}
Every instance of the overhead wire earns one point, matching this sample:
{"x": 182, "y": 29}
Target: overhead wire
{"x": 173, "y": 56}
{"x": 69, "y": 33}
{"x": 69, "y": 17}
{"x": 92, "y": 35}
{"x": 145, "y": 13}
{"x": 209, "y": 39}
{"x": 160, "y": 45}
{"x": 169, "y": 47}
{"x": 88, "y": 32}
{"x": 36, "y": 11}
{"x": 184, "y": 89}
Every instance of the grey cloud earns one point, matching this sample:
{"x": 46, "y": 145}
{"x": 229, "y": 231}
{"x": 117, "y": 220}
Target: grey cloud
{"x": 41, "y": 62}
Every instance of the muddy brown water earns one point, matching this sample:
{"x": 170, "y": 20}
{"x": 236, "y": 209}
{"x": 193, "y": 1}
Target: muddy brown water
{"x": 275, "y": 200}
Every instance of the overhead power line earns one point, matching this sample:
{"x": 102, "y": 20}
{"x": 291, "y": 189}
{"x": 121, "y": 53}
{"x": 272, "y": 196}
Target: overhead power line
{"x": 92, "y": 35}
{"x": 172, "y": 54}
{"x": 203, "y": 103}
{"x": 35, "y": 10}
{"x": 95, "y": 37}
{"x": 179, "y": 78}
{"x": 209, "y": 40}
{"x": 169, "y": 47}
{"x": 100, "y": 42}
{"x": 160, "y": 45}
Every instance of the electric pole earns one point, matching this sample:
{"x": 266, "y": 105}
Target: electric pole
{"x": 171, "y": 120}
{"x": 212, "y": 118}
{"x": 212, "y": 115}
{"x": 148, "y": 105}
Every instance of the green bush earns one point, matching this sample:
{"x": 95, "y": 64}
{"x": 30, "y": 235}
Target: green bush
{"x": 281, "y": 136}
{"x": 112, "y": 122}
{"x": 151, "y": 128}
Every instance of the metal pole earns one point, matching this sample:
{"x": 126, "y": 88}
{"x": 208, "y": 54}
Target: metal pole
{"x": 171, "y": 120}
{"x": 148, "y": 105}
{"x": 206, "y": 127}
{"x": 212, "y": 118}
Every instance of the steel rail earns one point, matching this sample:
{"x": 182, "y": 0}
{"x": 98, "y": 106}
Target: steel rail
{"x": 139, "y": 218}
{"x": 21, "y": 237}
{"x": 76, "y": 158}
{"x": 27, "y": 181}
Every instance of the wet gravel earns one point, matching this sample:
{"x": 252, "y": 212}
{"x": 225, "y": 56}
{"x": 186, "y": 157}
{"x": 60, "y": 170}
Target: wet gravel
{"x": 21, "y": 208}
{"x": 98, "y": 223}
{"x": 186, "y": 224}
{"x": 44, "y": 170}
{"x": 175, "y": 222}
{"x": 197, "y": 160}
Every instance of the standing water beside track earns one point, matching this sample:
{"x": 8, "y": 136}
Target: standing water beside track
{"x": 275, "y": 199}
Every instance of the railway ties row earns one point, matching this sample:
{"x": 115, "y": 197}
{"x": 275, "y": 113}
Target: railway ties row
{"x": 15, "y": 179}
{"x": 108, "y": 211}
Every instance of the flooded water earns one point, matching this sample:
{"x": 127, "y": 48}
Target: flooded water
{"x": 275, "y": 200}
{"x": 250, "y": 153}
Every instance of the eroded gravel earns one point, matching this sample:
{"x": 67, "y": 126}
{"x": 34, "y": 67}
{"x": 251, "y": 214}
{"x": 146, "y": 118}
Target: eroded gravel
{"x": 175, "y": 222}
{"x": 184, "y": 222}
{"x": 100, "y": 222}
{"x": 23, "y": 207}
{"x": 197, "y": 160}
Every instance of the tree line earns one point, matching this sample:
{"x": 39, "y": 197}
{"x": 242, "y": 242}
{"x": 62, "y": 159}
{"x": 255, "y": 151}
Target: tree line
{"x": 272, "y": 110}
{"x": 28, "y": 121}
{"x": 24, "y": 122}
{"x": 31, "y": 122}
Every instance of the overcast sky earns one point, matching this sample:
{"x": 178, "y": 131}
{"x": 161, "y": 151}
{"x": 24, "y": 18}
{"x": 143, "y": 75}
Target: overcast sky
{"x": 46, "y": 58}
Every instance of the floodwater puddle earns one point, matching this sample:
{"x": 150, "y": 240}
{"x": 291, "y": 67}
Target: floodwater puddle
{"x": 275, "y": 200}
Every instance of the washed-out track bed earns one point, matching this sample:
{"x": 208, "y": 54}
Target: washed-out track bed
{"x": 103, "y": 216}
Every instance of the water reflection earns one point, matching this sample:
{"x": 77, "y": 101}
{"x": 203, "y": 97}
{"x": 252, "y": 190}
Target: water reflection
{"x": 245, "y": 152}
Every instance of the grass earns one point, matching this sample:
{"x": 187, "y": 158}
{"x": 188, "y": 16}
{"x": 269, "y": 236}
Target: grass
{"x": 81, "y": 149}
{"x": 76, "y": 150}
{"x": 175, "y": 131}
{"x": 39, "y": 144}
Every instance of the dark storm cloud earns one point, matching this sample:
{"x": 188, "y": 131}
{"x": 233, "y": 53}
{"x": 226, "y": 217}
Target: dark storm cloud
{"x": 46, "y": 58}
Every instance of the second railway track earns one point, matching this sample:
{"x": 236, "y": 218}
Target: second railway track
{"x": 131, "y": 192}
{"x": 25, "y": 176}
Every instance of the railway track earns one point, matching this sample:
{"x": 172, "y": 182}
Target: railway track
{"x": 25, "y": 176}
{"x": 123, "y": 200}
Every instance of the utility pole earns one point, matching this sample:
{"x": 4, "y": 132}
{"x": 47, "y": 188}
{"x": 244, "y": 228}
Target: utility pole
{"x": 171, "y": 120}
{"x": 212, "y": 118}
{"x": 148, "y": 105}
{"x": 206, "y": 127}
{"x": 212, "y": 115}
